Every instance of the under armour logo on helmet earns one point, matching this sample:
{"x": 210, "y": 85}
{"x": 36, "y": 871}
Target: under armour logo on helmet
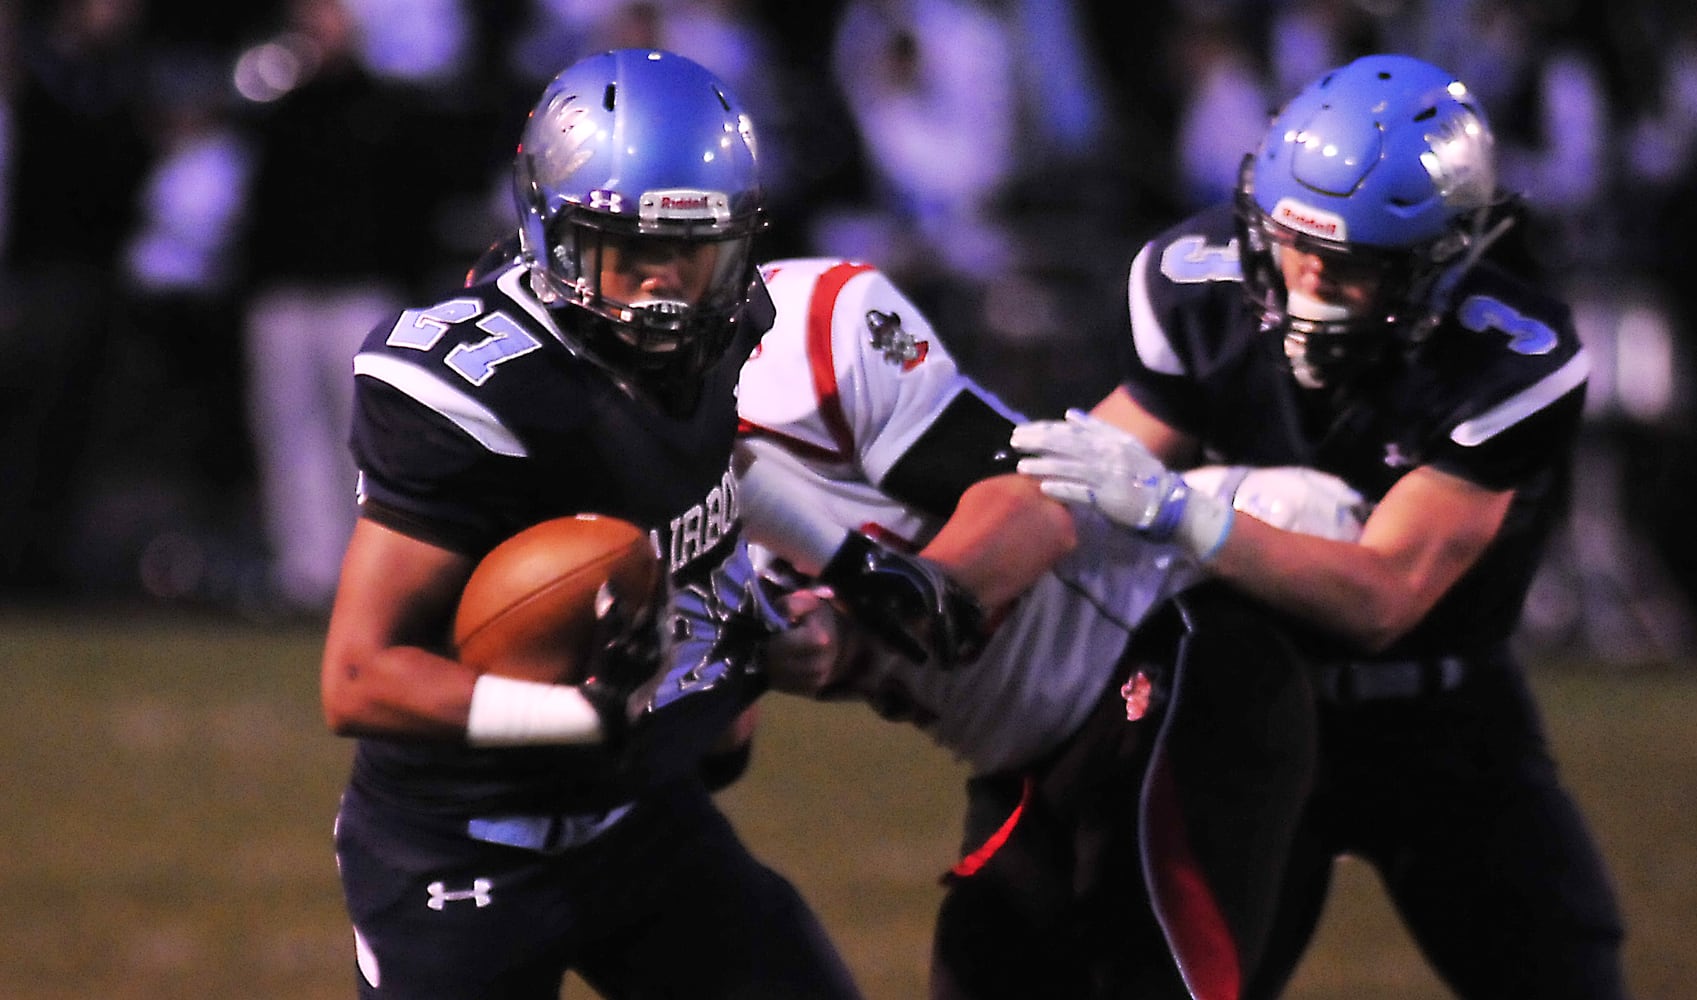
{"x": 602, "y": 200}
{"x": 441, "y": 896}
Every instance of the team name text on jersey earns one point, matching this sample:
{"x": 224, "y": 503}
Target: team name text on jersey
{"x": 705, "y": 524}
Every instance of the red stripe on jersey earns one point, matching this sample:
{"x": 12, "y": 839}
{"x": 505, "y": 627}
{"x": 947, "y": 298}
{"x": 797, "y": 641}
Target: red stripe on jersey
{"x": 970, "y": 864}
{"x": 878, "y": 533}
{"x": 1201, "y": 940}
{"x": 823, "y": 366}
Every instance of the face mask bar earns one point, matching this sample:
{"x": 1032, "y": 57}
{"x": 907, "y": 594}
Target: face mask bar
{"x": 655, "y": 325}
{"x": 1410, "y": 286}
{"x": 658, "y": 348}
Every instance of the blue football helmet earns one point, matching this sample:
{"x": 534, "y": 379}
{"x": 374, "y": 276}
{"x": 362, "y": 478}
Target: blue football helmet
{"x": 637, "y": 144}
{"x": 1384, "y": 167}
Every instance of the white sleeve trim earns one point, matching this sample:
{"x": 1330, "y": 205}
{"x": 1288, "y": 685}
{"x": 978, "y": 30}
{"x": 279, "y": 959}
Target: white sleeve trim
{"x": 1147, "y": 336}
{"x": 453, "y": 405}
{"x": 1518, "y": 407}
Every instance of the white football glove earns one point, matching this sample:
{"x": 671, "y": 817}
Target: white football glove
{"x": 1082, "y": 460}
{"x": 1293, "y": 498}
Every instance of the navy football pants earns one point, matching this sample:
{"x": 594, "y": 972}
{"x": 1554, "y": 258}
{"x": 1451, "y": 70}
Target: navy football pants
{"x": 1454, "y": 800}
{"x": 667, "y": 903}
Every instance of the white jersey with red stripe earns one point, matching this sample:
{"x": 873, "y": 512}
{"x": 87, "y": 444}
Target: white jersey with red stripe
{"x": 852, "y": 383}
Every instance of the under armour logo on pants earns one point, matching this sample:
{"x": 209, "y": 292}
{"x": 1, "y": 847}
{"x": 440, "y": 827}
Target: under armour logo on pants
{"x": 440, "y": 895}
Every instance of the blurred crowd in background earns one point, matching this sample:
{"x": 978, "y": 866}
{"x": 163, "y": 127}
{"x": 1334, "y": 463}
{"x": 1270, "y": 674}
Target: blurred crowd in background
{"x": 203, "y": 208}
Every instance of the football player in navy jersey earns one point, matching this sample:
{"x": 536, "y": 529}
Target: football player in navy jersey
{"x": 1342, "y": 315}
{"x": 497, "y": 832}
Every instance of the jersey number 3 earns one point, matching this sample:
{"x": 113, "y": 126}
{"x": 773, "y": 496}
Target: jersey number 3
{"x": 1526, "y": 335}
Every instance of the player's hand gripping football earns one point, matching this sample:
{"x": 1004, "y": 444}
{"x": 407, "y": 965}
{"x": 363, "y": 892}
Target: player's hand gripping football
{"x": 626, "y": 652}
{"x": 1082, "y": 460}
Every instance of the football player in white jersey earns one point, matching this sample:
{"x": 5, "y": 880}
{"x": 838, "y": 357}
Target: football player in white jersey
{"x": 1134, "y": 738}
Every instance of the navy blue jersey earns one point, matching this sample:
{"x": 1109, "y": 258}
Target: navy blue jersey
{"x": 474, "y": 420}
{"x": 1494, "y": 395}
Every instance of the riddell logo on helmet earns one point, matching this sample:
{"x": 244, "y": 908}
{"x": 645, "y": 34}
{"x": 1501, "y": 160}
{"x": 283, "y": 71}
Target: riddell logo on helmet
{"x": 685, "y": 204}
{"x": 1294, "y": 215}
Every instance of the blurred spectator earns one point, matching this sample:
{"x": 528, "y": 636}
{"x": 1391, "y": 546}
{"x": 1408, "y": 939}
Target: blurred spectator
{"x": 76, "y": 164}
{"x": 420, "y": 41}
{"x": 192, "y": 203}
{"x": 1132, "y": 43}
{"x": 1001, "y": 158}
{"x": 1306, "y": 37}
{"x": 340, "y": 224}
{"x": 8, "y": 123}
{"x": 1063, "y": 93}
{"x": 1063, "y": 214}
{"x": 1610, "y": 585}
{"x": 1223, "y": 110}
{"x": 934, "y": 102}
{"x": 1542, "y": 72}
{"x": 431, "y": 60}
{"x": 1662, "y": 185}
{"x": 556, "y": 33}
{"x": 1659, "y": 186}
{"x": 177, "y": 492}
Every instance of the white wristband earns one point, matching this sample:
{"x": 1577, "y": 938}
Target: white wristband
{"x": 1204, "y": 526}
{"x": 506, "y": 711}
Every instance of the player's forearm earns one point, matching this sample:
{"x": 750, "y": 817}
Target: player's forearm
{"x": 383, "y": 670}
{"x": 1342, "y": 588}
{"x": 400, "y": 691}
{"x": 1003, "y": 536}
{"x": 1423, "y": 536}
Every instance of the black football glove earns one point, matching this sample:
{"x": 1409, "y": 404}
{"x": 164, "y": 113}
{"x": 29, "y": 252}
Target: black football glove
{"x": 626, "y": 650}
{"x": 680, "y": 686}
{"x": 907, "y": 601}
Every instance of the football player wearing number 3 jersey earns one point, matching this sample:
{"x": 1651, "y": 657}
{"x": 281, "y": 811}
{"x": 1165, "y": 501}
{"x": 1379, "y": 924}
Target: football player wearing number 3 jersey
{"x": 497, "y": 832}
{"x": 1139, "y": 745}
{"x": 1340, "y": 315}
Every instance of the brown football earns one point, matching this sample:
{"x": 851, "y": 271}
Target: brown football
{"x": 529, "y": 608}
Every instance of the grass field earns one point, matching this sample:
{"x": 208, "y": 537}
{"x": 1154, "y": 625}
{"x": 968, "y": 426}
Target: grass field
{"x": 168, "y": 791}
